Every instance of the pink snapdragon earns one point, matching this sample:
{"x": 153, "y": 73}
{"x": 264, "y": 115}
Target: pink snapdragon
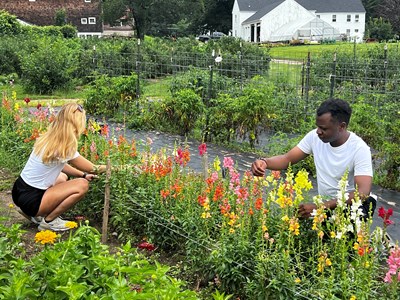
{"x": 394, "y": 266}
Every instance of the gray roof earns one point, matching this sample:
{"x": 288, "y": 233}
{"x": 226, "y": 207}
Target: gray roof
{"x": 320, "y": 6}
{"x": 323, "y": 6}
{"x": 264, "y": 10}
{"x": 252, "y": 5}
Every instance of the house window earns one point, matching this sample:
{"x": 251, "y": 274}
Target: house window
{"x": 357, "y": 18}
{"x": 83, "y": 20}
{"x": 319, "y": 16}
{"x": 92, "y": 20}
{"x": 348, "y": 32}
{"x": 333, "y": 18}
{"x": 355, "y": 30}
{"x": 348, "y": 18}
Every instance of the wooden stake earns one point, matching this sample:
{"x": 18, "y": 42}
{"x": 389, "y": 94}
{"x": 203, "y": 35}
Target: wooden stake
{"x": 106, "y": 209}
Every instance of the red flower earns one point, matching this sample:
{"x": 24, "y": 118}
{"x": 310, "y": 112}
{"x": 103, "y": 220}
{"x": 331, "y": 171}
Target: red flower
{"x": 385, "y": 215}
{"x": 202, "y": 149}
{"x": 27, "y": 100}
{"x": 39, "y": 106}
{"x": 147, "y": 246}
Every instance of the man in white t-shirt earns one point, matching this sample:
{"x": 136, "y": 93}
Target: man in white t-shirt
{"x": 335, "y": 150}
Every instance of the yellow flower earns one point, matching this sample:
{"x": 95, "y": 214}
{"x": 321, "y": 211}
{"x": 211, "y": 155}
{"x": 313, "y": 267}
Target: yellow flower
{"x": 294, "y": 226}
{"x": 16, "y": 106}
{"x": 356, "y": 246}
{"x": 285, "y": 218}
{"x": 206, "y": 215}
{"x": 328, "y": 262}
{"x": 45, "y": 237}
{"x": 333, "y": 234}
{"x": 11, "y": 205}
{"x": 71, "y": 224}
{"x": 217, "y": 164}
{"x": 297, "y": 280}
{"x": 353, "y": 297}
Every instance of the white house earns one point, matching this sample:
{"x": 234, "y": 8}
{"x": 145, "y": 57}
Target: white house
{"x": 285, "y": 20}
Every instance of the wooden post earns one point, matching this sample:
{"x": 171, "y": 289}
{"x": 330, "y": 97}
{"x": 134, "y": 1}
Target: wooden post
{"x": 106, "y": 209}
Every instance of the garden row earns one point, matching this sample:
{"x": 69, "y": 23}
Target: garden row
{"x": 235, "y": 233}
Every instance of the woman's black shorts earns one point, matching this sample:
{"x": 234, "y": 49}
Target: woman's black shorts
{"x": 26, "y": 197}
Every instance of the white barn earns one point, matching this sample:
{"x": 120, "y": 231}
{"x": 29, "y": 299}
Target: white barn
{"x": 285, "y": 20}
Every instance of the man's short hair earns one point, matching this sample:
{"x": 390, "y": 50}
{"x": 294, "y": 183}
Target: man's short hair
{"x": 339, "y": 109}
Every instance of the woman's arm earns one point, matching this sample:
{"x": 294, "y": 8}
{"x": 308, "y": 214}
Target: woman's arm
{"x": 84, "y": 165}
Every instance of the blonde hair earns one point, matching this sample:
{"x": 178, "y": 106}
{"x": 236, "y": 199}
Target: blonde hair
{"x": 60, "y": 141}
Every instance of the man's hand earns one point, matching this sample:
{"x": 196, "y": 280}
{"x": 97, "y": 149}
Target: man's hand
{"x": 258, "y": 167}
{"x": 305, "y": 209}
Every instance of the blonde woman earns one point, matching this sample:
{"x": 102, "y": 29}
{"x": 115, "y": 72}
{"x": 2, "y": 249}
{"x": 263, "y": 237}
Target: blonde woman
{"x": 43, "y": 191}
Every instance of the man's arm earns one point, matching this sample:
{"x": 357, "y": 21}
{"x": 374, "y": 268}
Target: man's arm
{"x": 363, "y": 185}
{"x": 279, "y": 162}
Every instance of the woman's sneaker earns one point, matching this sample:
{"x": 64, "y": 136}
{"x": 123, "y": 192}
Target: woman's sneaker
{"x": 57, "y": 224}
{"x": 35, "y": 220}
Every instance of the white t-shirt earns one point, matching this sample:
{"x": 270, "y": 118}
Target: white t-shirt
{"x": 40, "y": 175}
{"x": 332, "y": 162}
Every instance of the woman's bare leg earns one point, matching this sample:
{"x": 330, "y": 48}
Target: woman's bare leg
{"x": 61, "y": 178}
{"x": 61, "y": 197}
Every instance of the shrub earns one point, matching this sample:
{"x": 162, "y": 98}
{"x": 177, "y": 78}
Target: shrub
{"x": 49, "y": 67}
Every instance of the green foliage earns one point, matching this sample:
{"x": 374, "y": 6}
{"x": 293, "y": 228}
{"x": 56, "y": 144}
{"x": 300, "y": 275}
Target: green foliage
{"x": 69, "y": 31}
{"x": 184, "y": 109}
{"x": 9, "y": 24}
{"x": 60, "y": 18}
{"x": 80, "y": 267}
{"x": 379, "y": 29}
{"x": 107, "y": 95}
{"x": 50, "y": 67}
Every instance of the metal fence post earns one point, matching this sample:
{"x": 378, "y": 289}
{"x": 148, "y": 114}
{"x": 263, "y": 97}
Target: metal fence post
{"x": 209, "y": 96}
{"x": 138, "y": 74}
{"x": 307, "y": 87}
{"x": 333, "y": 76}
{"x": 385, "y": 65}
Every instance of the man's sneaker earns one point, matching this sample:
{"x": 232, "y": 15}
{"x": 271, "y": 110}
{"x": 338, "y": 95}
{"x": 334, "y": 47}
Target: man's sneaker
{"x": 57, "y": 224}
{"x": 35, "y": 220}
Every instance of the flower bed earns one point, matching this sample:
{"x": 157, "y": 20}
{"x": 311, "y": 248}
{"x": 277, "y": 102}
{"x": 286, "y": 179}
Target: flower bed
{"x": 239, "y": 233}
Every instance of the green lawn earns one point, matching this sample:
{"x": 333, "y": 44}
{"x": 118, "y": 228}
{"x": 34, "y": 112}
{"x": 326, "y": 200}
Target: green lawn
{"x": 300, "y": 52}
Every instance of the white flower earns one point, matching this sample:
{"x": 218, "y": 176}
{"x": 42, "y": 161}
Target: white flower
{"x": 350, "y": 228}
{"x": 317, "y": 200}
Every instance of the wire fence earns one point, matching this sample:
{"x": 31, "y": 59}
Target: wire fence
{"x": 309, "y": 79}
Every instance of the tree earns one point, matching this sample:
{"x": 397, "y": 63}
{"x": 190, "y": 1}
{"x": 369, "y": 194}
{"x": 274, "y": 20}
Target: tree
{"x": 390, "y": 10}
{"x": 60, "y": 18}
{"x": 113, "y": 10}
{"x": 217, "y": 16}
{"x": 371, "y": 8}
{"x": 9, "y": 24}
{"x": 380, "y": 29}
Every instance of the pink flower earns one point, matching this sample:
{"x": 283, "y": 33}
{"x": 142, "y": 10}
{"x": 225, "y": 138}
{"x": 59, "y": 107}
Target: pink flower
{"x": 228, "y": 162}
{"x": 202, "y": 149}
{"x": 93, "y": 147}
{"x": 394, "y": 265}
